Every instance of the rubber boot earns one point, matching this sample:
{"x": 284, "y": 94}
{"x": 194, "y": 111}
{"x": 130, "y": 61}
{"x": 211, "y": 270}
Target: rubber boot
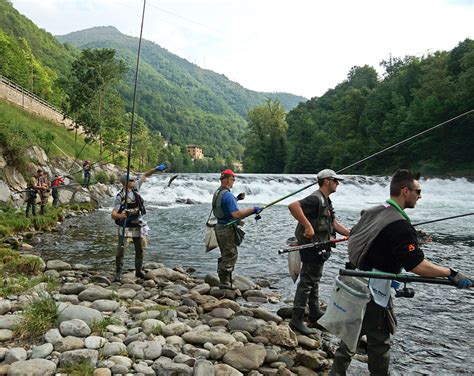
{"x": 315, "y": 312}
{"x": 119, "y": 263}
{"x": 139, "y": 264}
{"x": 225, "y": 280}
{"x": 297, "y": 323}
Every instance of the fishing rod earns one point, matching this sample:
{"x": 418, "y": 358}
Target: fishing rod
{"x": 318, "y": 246}
{"x": 132, "y": 124}
{"x": 443, "y": 219}
{"x": 405, "y": 278}
{"x": 77, "y": 156}
{"x": 362, "y": 160}
{"x": 67, "y": 156}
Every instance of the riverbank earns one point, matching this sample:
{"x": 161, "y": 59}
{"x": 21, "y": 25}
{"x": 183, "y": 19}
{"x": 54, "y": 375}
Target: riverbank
{"x": 76, "y": 321}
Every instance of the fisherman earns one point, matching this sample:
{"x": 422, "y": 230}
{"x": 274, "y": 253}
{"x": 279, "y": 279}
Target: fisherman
{"x": 87, "y": 170}
{"x": 32, "y": 194}
{"x": 128, "y": 213}
{"x": 384, "y": 240}
{"x": 57, "y": 181}
{"x": 225, "y": 209}
{"x": 316, "y": 223}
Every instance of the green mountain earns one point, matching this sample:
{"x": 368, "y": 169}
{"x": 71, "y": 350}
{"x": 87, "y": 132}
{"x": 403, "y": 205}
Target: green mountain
{"x": 186, "y": 103}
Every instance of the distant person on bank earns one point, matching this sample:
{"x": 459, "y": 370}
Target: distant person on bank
{"x": 128, "y": 214}
{"x": 392, "y": 245}
{"x": 32, "y": 193}
{"x": 316, "y": 223}
{"x": 87, "y": 170}
{"x": 57, "y": 181}
{"x": 225, "y": 209}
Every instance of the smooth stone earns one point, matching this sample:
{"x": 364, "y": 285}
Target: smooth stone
{"x": 105, "y": 305}
{"x": 32, "y": 367}
{"x": 75, "y": 328}
{"x": 52, "y": 336}
{"x": 94, "y": 342}
{"x": 42, "y": 351}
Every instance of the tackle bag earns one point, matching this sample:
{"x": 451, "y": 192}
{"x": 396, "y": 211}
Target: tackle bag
{"x": 239, "y": 234}
{"x": 294, "y": 260}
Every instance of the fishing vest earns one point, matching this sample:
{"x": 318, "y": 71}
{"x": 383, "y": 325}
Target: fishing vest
{"x": 362, "y": 235}
{"x": 217, "y": 203}
{"x": 136, "y": 209}
{"x": 322, "y": 223}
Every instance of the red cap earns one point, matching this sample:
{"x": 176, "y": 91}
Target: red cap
{"x": 227, "y": 173}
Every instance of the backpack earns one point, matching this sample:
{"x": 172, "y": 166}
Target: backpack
{"x": 138, "y": 208}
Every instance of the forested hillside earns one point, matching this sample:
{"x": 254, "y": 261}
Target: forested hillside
{"x": 185, "y": 103}
{"x": 364, "y": 114}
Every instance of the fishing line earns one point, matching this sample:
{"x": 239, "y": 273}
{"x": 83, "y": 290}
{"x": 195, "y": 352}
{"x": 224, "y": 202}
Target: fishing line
{"x": 132, "y": 123}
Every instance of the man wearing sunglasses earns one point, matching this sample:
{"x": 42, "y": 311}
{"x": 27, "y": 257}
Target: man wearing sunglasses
{"x": 127, "y": 214}
{"x": 384, "y": 240}
{"x": 316, "y": 223}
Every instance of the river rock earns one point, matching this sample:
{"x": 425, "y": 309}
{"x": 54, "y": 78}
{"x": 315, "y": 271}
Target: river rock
{"x": 94, "y": 342}
{"x": 42, "y": 351}
{"x": 52, "y": 336}
{"x": 174, "y": 329}
{"x": 68, "y": 311}
{"x": 201, "y": 337}
{"x": 122, "y": 360}
{"x": 74, "y": 327}
{"x": 81, "y": 196}
{"x": 144, "y": 350}
{"x": 105, "y": 305}
{"x": 311, "y": 359}
{"x": 72, "y": 288}
{"x": 6, "y": 335}
{"x": 15, "y": 354}
{"x": 68, "y": 343}
{"x": 203, "y": 367}
{"x": 265, "y": 314}
{"x": 93, "y": 292}
{"x": 10, "y": 321}
{"x": 247, "y": 358}
{"x": 226, "y": 370}
{"x": 32, "y": 367}
{"x": 5, "y": 306}
{"x": 115, "y": 348}
{"x": 243, "y": 323}
{"x": 58, "y": 265}
{"x": 165, "y": 366}
{"x": 75, "y": 356}
{"x": 102, "y": 372}
{"x": 278, "y": 335}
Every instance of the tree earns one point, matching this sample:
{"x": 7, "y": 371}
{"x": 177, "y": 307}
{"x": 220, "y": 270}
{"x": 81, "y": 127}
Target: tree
{"x": 94, "y": 74}
{"x": 265, "y": 140}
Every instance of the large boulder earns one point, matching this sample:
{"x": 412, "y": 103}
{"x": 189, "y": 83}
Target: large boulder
{"x": 32, "y": 367}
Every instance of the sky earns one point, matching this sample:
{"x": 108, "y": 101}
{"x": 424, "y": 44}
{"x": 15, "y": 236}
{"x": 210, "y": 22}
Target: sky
{"x": 303, "y": 47}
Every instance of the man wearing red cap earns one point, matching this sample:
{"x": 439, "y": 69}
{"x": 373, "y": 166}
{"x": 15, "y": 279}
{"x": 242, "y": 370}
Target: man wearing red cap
{"x": 225, "y": 209}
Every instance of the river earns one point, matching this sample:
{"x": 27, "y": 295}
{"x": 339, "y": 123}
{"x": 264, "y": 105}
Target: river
{"x": 435, "y": 333}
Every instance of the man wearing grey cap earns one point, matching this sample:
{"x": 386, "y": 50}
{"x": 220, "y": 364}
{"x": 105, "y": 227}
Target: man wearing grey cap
{"x": 128, "y": 217}
{"x": 316, "y": 223}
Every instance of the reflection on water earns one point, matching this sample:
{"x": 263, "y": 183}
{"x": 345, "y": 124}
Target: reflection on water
{"x": 435, "y": 327}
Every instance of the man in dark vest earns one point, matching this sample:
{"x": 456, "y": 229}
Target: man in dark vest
{"x": 225, "y": 209}
{"x": 127, "y": 214}
{"x": 384, "y": 240}
{"x": 316, "y": 223}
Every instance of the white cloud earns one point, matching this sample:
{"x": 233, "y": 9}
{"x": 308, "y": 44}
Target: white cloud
{"x": 298, "y": 46}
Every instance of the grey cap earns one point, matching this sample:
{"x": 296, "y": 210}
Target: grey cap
{"x": 123, "y": 178}
{"x": 329, "y": 174}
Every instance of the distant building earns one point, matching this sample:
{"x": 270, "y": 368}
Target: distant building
{"x": 195, "y": 151}
{"x": 237, "y": 166}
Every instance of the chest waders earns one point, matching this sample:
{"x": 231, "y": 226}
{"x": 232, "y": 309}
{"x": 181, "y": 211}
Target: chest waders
{"x": 307, "y": 291}
{"x": 226, "y": 239}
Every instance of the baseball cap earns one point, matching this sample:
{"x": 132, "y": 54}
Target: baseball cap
{"x": 227, "y": 173}
{"x": 123, "y": 178}
{"x": 329, "y": 174}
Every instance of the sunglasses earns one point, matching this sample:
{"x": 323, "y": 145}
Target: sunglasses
{"x": 418, "y": 191}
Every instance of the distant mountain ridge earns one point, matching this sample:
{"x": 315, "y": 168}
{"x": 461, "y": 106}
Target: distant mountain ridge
{"x": 186, "y": 103}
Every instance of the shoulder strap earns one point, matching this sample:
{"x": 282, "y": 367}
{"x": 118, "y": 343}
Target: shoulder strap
{"x": 217, "y": 202}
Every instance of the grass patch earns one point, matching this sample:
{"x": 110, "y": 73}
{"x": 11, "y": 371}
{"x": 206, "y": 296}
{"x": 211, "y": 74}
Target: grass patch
{"x": 99, "y": 327}
{"x": 22, "y": 283}
{"x": 39, "y": 316}
{"x": 82, "y": 368}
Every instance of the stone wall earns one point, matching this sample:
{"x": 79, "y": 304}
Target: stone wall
{"x": 16, "y": 94}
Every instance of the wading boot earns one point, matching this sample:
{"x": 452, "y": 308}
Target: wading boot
{"x": 118, "y": 276}
{"x": 225, "y": 281}
{"x": 315, "y": 312}
{"x": 297, "y": 323}
{"x": 138, "y": 266}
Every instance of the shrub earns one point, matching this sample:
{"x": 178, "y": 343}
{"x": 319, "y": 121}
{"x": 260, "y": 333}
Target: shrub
{"x": 81, "y": 368}
{"x": 39, "y": 316}
{"x": 101, "y": 177}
